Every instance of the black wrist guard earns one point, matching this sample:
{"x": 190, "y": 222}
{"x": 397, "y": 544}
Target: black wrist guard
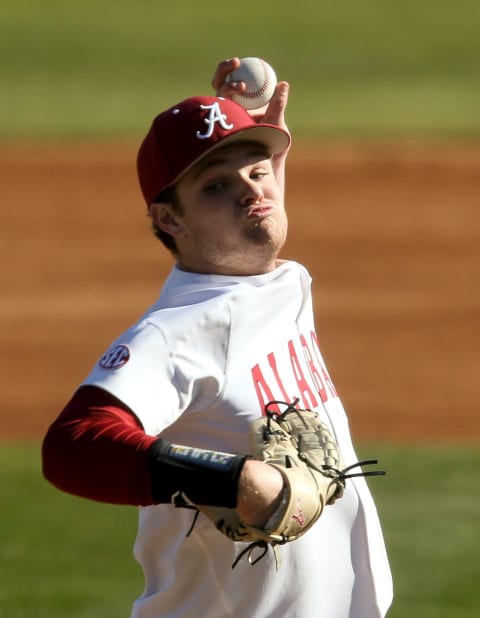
{"x": 197, "y": 475}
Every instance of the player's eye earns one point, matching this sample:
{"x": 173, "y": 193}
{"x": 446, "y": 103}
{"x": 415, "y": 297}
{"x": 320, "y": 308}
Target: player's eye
{"x": 214, "y": 187}
{"x": 258, "y": 175}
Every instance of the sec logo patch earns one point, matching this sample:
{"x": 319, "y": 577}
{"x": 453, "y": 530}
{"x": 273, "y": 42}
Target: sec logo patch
{"x": 115, "y": 357}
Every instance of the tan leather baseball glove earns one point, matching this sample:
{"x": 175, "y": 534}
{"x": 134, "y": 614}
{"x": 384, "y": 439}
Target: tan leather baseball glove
{"x": 303, "y": 449}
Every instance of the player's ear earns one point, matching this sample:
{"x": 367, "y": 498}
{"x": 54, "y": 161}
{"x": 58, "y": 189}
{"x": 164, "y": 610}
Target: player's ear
{"x": 166, "y": 219}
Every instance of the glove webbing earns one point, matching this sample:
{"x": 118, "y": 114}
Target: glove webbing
{"x": 291, "y": 407}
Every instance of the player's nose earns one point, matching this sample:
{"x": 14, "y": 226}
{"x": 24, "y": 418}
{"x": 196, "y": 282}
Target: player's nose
{"x": 252, "y": 193}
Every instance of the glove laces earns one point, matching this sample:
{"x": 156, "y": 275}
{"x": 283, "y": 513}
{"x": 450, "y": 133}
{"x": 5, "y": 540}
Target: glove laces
{"x": 339, "y": 476}
{"x": 292, "y": 407}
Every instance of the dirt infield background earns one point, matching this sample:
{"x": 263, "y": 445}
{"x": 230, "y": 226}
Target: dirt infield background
{"x": 390, "y": 234}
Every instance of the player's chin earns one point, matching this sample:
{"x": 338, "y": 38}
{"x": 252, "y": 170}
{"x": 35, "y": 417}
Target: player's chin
{"x": 268, "y": 231}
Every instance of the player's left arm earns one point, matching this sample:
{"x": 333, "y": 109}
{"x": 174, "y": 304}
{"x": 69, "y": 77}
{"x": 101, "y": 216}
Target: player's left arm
{"x": 97, "y": 449}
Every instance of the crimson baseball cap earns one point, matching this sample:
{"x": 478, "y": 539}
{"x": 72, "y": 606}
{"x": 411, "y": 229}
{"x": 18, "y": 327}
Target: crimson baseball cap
{"x": 183, "y": 134}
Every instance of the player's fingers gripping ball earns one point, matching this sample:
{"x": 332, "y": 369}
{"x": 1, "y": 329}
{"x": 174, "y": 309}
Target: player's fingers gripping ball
{"x": 260, "y": 81}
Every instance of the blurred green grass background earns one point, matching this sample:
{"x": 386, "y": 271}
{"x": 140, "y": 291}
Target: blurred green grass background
{"x": 62, "y": 556}
{"x": 373, "y": 68}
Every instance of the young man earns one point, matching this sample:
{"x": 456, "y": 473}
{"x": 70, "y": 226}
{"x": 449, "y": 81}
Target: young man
{"x": 232, "y": 329}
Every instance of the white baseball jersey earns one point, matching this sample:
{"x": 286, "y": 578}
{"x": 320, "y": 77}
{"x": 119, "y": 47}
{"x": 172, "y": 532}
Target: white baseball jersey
{"x": 198, "y": 368}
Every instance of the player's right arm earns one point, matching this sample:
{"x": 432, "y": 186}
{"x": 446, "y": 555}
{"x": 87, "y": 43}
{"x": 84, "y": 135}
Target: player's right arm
{"x": 98, "y": 449}
{"x": 273, "y": 113}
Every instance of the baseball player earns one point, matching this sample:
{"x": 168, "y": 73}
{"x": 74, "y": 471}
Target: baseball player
{"x": 164, "y": 418}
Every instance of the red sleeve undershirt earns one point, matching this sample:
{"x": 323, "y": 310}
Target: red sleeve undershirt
{"x": 98, "y": 449}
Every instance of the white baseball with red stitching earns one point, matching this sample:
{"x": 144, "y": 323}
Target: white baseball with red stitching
{"x": 260, "y": 81}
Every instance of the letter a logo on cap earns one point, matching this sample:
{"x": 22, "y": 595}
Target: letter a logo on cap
{"x": 214, "y": 116}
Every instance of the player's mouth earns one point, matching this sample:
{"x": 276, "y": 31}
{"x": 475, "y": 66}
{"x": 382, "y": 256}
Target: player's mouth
{"x": 259, "y": 211}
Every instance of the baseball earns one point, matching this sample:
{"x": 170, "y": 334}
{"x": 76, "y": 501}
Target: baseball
{"x": 260, "y": 81}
